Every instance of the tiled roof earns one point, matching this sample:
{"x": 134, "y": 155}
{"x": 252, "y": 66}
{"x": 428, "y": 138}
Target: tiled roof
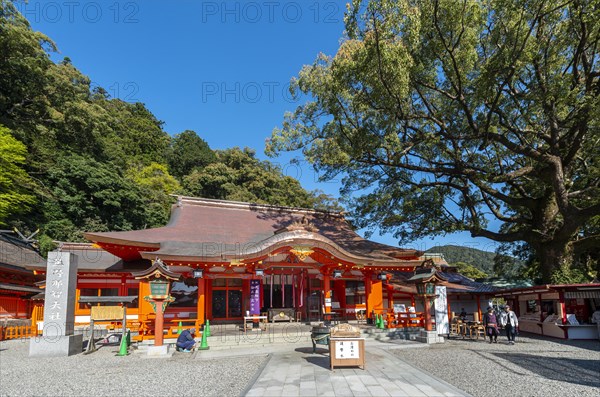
{"x": 94, "y": 259}
{"x": 199, "y": 226}
{"x": 14, "y": 252}
{"x": 457, "y": 283}
{"x": 20, "y": 288}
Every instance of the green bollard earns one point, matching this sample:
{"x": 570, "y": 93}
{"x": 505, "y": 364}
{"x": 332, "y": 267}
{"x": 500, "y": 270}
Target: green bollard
{"x": 180, "y": 328}
{"x": 203, "y": 342}
{"x": 123, "y": 348}
{"x": 207, "y": 328}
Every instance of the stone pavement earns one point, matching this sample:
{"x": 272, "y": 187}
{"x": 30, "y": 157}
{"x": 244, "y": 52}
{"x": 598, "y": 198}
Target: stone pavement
{"x": 296, "y": 371}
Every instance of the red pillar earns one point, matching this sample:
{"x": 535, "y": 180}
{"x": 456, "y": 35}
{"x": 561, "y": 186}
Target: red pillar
{"x": 200, "y": 307}
{"x": 427, "y": 306}
{"x": 158, "y": 324}
{"x": 327, "y": 292}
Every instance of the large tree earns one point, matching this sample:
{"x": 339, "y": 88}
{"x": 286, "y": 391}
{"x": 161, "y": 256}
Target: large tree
{"x": 187, "y": 153}
{"x": 446, "y": 114}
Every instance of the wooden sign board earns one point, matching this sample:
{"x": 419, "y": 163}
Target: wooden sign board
{"x": 347, "y": 352}
{"x": 99, "y": 313}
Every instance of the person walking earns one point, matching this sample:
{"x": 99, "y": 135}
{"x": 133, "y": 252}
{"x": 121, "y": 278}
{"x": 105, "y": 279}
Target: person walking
{"x": 490, "y": 322}
{"x": 510, "y": 323}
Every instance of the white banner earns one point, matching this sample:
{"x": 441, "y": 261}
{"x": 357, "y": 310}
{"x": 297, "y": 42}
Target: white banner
{"x": 441, "y": 311}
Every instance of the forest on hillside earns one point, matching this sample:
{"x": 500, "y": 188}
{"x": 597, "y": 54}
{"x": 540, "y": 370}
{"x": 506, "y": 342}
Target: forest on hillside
{"x": 476, "y": 263}
{"x": 73, "y": 159}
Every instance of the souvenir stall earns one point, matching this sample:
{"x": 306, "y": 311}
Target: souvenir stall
{"x": 560, "y": 311}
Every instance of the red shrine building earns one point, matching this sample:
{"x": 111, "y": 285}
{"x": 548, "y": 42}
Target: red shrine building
{"x": 240, "y": 259}
{"x": 17, "y": 282}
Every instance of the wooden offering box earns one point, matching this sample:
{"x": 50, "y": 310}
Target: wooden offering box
{"x": 347, "y": 352}
{"x": 346, "y": 347}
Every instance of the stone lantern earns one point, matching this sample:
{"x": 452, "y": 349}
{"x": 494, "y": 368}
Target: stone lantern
{"x": 426, "y": 277}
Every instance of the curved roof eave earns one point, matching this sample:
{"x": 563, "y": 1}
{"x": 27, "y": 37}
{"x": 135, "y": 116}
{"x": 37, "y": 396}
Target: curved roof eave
{"x": 253, "y": 250}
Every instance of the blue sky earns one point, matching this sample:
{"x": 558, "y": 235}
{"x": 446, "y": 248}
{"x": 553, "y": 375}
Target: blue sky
{"x": 220, "y": 68}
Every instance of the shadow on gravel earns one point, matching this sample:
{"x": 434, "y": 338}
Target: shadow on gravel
{"x": 577, "y": 371}
{"x": 593, "y": 345}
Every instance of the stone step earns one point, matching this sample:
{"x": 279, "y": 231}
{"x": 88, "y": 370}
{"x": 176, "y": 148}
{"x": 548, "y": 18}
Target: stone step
{"x": 385, "y": 335}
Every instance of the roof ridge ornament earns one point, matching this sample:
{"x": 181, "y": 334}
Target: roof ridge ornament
{"x": 303, "y": 224}
{"x": 157, "y": 270}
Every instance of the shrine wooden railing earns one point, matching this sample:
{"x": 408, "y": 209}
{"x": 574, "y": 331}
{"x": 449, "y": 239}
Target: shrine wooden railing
{"x": 18, "y": 332}
{"x": 405, "y": 320}
{"x": 170, "y": 327}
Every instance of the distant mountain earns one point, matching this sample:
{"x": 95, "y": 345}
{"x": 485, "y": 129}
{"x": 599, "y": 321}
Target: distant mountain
{"x": 482, "y": 260}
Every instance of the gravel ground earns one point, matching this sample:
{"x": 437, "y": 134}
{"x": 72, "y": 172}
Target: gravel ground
{"x": 532, "y": 367}
{"x": 102, "y": 373}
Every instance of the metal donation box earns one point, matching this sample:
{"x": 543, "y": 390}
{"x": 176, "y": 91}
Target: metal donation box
{"x": 346, "y": 347}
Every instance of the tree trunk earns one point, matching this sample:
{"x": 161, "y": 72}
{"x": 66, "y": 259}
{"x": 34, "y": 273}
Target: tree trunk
{"x": 552, "y": 255}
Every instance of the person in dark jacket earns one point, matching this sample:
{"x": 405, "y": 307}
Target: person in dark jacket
{"x": 490, "y": 321}
{"x": 185, "y": 341}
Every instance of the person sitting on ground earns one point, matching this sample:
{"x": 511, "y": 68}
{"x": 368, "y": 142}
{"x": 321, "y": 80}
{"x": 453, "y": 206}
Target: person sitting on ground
{"x": 185, "y": 341}
{"x": 490, "y": 321}
{"x": 510, "y": 323}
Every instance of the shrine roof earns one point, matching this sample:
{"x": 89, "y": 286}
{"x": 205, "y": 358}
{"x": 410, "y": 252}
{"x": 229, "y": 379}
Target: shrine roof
{"x": 91, "y": 258}
{"x": 199, "y": 225}
{"x": 19, "y": 288}
{"x": 457, "y": 283}
{"x": 18, "y": 254}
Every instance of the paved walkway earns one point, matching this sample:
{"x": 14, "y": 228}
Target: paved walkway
{"x": 296, "y": 371}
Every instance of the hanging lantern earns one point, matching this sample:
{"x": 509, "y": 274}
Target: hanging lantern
{"x": 159, "y": 288}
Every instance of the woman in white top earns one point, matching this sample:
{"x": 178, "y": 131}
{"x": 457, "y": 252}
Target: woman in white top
{"x": 510, "y": 322}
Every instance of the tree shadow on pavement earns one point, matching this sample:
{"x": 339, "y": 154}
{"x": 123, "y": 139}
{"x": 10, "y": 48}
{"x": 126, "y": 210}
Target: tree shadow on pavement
{"x": 593, "y": 345}
{"x": 321, "y": 361}
{"x": 577, "y": 371}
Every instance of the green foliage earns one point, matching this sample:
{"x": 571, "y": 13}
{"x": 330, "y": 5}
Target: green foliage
{"x": 489, "y": 263}
{"x": 238, "y": 175}
{"x": 569, "y": 275}
{"x": 445, "y": 113}
{"x": 188, "y": 152}
{"x": 89, "y": 195}
{"x": 14, "y": 196}
{"x": 155, "y": 185}
{"x": 135, "y": 137}
{"x": 469, "y": 270}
